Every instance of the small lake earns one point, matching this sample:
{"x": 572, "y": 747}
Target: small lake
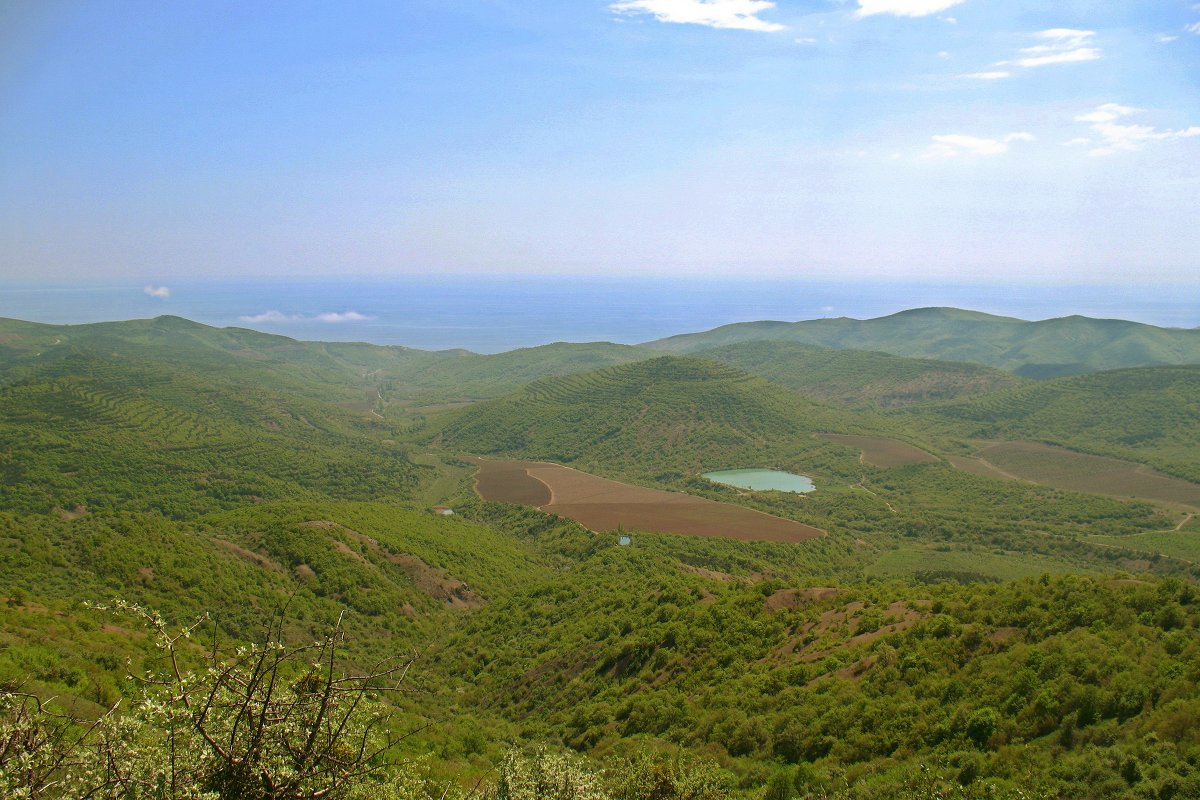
{"x": 762, "y": 479}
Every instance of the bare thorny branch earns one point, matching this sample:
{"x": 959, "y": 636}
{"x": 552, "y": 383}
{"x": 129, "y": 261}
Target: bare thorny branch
{"x": 271, "y": 721}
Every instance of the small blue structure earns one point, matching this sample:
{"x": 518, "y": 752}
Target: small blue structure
{"x": 624, "y": 540}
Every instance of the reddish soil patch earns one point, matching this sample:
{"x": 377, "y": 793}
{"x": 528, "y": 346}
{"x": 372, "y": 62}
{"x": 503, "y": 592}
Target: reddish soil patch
{"x": 510, "y": 482}
{"x": 248, "y": 555}
{"x": 882, "y": 452}
{"x": 1060, "y": 468}
{"x": 601, "y": 504}
{"x": 75, "y": 513}
{"x": 786, "y": 599}
{"x": 1004, "y": 635}
{"x": 711, "y": 574}
{"x": 426, "y": 578}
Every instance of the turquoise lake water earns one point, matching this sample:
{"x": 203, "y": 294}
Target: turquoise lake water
{"x": 760, "y": 479}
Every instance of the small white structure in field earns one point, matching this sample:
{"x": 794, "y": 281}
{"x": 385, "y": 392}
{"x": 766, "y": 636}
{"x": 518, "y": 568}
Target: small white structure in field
{"x": 624, "y": 540}
{"x": 444, "y": 511}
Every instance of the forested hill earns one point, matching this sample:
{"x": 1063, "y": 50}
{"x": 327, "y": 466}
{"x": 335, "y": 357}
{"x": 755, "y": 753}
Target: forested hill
{"x": 358, "y": 374}
{"x": 1047, "y": 348}
{"x": 860, "y": 378}
{"x": 665, "y": 415}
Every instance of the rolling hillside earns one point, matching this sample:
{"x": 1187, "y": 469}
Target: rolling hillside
{"x": 105, "y": 434}
{"x": 358, "y": 375}
{"x": 1044, "y": 349}
{"x": 1150, "y": 415}
{"x": 667, "y": 415}
{"x": 858, "y": 378}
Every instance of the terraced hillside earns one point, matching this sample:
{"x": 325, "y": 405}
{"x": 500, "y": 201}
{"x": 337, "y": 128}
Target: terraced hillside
{"x": 1150, "y": 415}
{"x": 857, "y": 378}
{"x": 654, "y": 419}
{"x": 98, "y": 433}
{"x": 1043, "y": 349}
{"x": 358, "y": 375}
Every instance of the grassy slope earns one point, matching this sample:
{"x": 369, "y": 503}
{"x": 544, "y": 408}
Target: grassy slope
{"x": 355, "y": 374}
{"x": 1035, "y": 349}
{"x": 665, "y": 416}
{"x": 858, "y": 378}
{"x": 1150, "y": 415}
{"x": 101, "y": 432}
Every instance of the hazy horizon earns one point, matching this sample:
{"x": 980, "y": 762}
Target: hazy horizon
{"x": 506, "y": 312}
{"x": 951, "y": 140}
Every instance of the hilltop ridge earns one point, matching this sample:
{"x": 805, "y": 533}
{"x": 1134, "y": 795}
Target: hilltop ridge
{"x": 1040, "y": 349}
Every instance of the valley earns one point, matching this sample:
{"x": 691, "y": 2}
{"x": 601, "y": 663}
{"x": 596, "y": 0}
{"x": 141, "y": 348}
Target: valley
{"x": 990, "y": 592}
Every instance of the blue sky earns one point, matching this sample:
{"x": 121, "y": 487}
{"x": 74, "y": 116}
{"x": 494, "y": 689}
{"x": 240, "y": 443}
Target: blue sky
{"x": 970, "y": 140}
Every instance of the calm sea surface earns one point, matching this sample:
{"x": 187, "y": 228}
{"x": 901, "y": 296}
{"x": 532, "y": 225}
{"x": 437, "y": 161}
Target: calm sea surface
{"x": 492, "y": 314}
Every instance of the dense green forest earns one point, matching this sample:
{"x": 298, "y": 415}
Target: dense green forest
{"x": 954, "y": 634}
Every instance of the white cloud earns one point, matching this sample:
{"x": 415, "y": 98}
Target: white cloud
{"x": 1166, "y": 38}
{"x": 1193, "y": 28}
{"x": 735, "y": 14}
{"x": 904, "y": 8}
{"x": 1060, "y": 46}
{"x": 161, "y": 292}
{"x": 346, "y": 316}
{"x": 1118, "y": 137}
{"x": 944, "y": 55}
{"x": 274, "y": 316}
{"x": 271, "y": 316}
{"x": 1107, "y": 113}
{"x": 993, "y": 75}
{"x": 954, "y": 145}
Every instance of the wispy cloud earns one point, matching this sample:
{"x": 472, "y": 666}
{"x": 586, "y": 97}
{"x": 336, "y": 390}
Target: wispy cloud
{"x": 1056, "y": 46}
{"x": 734, "y": 14}
{"x": 955, "y": 145}
{"x": 1115, "y": 137}
{"x": 274, "y": 316}
{"x": 161, "y": 292}
{"x": 992, "y": 75}
{"x": 345, "y": 316}
{"x": 1193, "y": 28}
{"x": 1060, "y": 46}
{"x": 904, "y": 8}
{"x": 1166, "y": 38}
{"x": 271, "y": 316}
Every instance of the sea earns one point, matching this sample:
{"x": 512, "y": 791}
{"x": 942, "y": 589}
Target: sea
{"x": 496, "y": 313}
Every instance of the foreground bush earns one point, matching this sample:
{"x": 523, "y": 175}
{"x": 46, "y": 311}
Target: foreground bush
{"x": 266, "y": 722}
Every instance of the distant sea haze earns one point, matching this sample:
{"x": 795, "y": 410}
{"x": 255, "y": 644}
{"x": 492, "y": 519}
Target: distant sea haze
{"x": 489, "y": 314}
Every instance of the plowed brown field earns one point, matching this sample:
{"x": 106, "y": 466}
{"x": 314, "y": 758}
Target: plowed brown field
{"x": 880, "y": 451}
{"x": 601, "y": 504}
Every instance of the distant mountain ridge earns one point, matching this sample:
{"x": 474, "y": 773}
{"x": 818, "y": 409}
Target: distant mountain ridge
{"x": 1043, "y": 349}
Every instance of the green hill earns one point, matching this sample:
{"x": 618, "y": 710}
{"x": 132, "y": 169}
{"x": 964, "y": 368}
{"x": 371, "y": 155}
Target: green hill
{"x": 1048, "y": 348}
{"x": 192, "y": 470}
{"x": 1150, "y": 415}
{"x": 667, "y": 415}
{"x": 358, "y": 375}
{"x": 859, "y": 378}
{"x": 469, "y": 376}
{"x": 112, "y": 434}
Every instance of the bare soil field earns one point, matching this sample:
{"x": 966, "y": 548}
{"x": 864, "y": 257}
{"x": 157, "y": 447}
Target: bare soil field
{"x": 510, "y": 482}
{"x": 879, "y": 451}
{"x": 601, "y": 504}
{"x": 1080, "y": 472}
{"x": 977, "y": 466}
